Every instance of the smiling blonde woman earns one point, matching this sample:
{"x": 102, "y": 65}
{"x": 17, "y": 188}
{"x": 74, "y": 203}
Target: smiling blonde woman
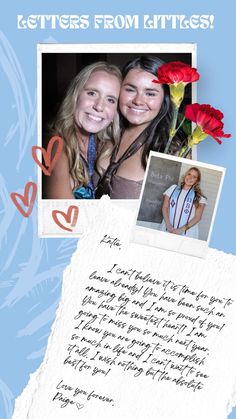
{"x": 183, "y": 205}
{"x": 87, "y": 121}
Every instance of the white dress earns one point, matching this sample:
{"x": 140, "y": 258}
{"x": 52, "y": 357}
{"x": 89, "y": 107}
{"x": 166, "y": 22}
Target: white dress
{"x": 193, "y": 231}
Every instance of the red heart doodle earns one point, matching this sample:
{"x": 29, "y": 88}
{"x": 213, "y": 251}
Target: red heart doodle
{"x": 67, "y": 216}
{"x": 50, "y": 163}
{"x": 27, "y": 199}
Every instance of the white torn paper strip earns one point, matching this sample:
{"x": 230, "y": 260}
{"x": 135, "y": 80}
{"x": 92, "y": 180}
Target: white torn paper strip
{"x": 140, "y": 333}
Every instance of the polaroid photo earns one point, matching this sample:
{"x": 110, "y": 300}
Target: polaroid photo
{"x": 178, "y": 204}
{"x": 58, "y": 66}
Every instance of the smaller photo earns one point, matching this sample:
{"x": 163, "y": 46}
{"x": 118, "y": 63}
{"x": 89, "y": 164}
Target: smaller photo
{"x": 178, "y": 204}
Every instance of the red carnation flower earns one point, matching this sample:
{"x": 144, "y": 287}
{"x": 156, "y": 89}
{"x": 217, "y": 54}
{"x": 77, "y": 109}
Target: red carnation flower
{"x": 208, "y": 121}
{"x": 176, "y": 72}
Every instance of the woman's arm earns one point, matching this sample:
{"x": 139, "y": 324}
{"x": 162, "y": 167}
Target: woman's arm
{"x": 58, "y": 185}
{"x": 165, "y": 212}
{"x": 197, "y": 217}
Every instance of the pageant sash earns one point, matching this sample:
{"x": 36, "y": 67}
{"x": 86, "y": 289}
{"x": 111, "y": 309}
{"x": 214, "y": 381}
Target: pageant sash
{"x": 179, "y": 218}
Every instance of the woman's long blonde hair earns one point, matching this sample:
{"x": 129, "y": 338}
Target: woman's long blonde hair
{"x": 65, "y": 125}
{"x": 196, "y": 186}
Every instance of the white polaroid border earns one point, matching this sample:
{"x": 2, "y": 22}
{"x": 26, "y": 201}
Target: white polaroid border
{"x": 46, "y": 225}
{"x": 150, "y": 236}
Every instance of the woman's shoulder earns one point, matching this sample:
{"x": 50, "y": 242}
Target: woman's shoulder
{"x": 203, "y": 200}
{"x": 62, "y": 164}
{"x": 169, "y": 190}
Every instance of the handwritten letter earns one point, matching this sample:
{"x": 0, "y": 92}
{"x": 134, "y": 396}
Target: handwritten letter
{"x": 140, "y": 333}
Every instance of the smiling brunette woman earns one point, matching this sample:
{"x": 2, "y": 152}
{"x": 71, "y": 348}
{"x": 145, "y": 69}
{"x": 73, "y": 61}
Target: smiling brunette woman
{"x": 89, "y": 107}
{"x": 145, "y": 121}
{"x": 183, "y": 205}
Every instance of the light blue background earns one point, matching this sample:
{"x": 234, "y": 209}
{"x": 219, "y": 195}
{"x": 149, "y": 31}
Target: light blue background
{"x": 31, "y": 269}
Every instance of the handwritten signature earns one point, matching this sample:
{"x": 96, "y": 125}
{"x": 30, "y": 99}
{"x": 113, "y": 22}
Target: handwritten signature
{"x": 65, "y": 401}
{"x": 111, "y": 241}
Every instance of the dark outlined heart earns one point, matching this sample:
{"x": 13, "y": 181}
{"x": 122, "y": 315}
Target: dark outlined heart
{"x": 27, "y": 199}
{"x": 70, "y": 217}
{"x": 49, "y": 162}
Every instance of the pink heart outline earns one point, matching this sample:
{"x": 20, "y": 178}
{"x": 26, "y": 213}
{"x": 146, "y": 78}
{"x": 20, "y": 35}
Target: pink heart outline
{"x": 47, "y": 154}
{"x": 67, "y": 216}
{"x": 26, "y": 199}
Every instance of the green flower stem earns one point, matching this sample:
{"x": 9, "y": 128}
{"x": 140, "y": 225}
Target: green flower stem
{"x": 172, "y": 128}
{"x": 181, "y": 123}
{"x": 185, "y": 151}
{"x": 168, "y": 145}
